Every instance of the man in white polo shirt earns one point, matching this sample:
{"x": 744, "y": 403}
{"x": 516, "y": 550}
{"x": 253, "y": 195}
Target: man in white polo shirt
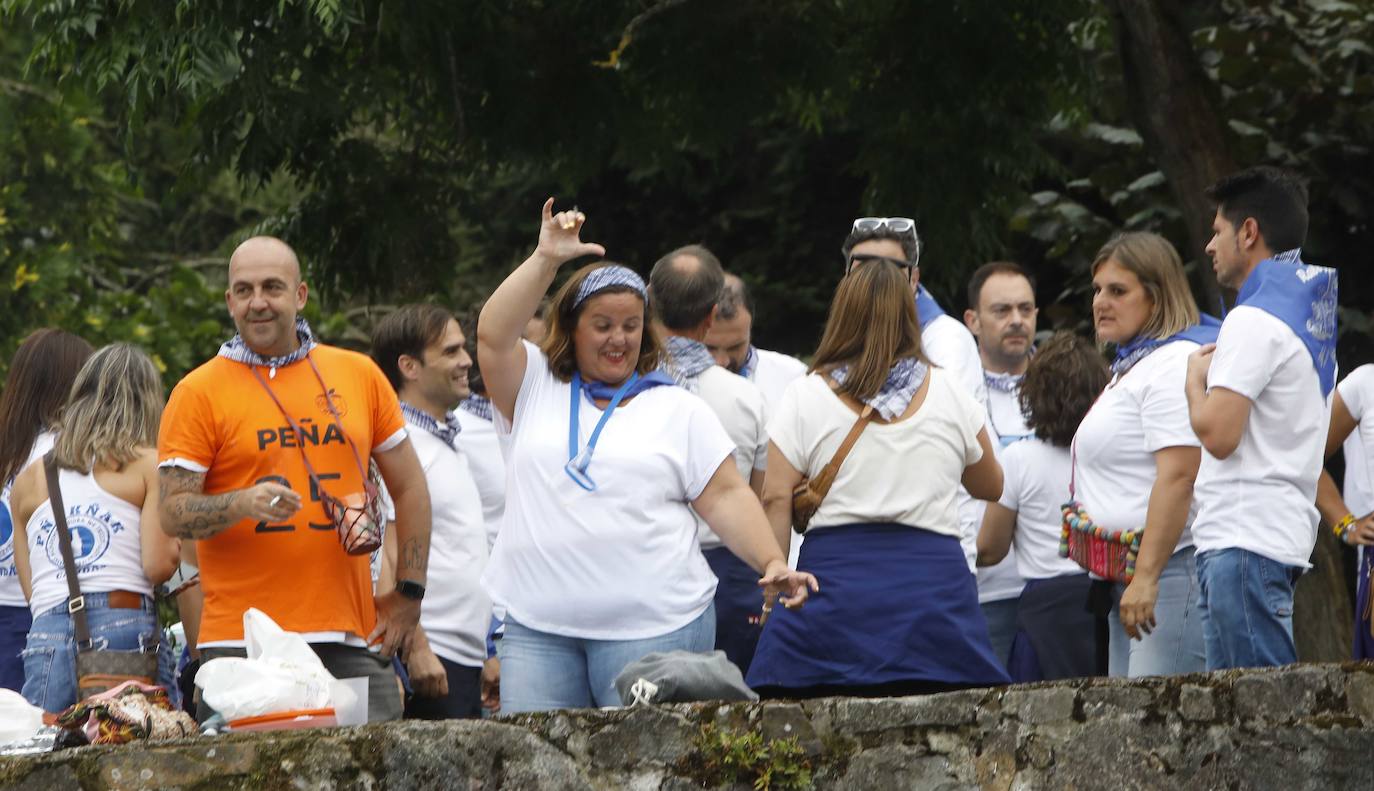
{"x": 1259, "y": 402}
{"x": 421, "y": 350}
{"x": 1001, "y": 315}
{"x": 730, "y": 341}
{"x": 684, "y": 288}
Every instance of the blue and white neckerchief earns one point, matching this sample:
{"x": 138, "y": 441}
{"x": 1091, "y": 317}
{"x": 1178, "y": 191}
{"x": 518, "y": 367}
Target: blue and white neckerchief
{"x": 1302, "y": 296}
{"x": 448, "y": 432}
{"x": 927, "y": 309}
{"x": 477, "y": 405}
{"x": 1205, "y": 331}
{"x": 235, "y": 349}
{"x": 895, "y": 395}
{"x": 750, "y": 364}
{"x": 685, "y": 360}
{"x": 1003, "y": 383}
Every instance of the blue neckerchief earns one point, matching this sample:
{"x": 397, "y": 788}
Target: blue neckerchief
{"x": 1003, "y": 383}
{"x": 685, "y": 359}
{"x": 477, "y": 405}
{"x": 751, "y": 361}
{"x": 235, "y": 349}
{"x": 895, "y": 395}
{"x": 927, "y": 309}
{"x": 448, "y": 432}
{"x": 600, "y": 391}
{"x": 579, "y": 460}
{"x": 1202, "y": 333}
{"x": 1302, "y": 296}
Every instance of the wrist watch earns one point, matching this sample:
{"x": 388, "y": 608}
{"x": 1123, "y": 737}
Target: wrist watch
{"x": 410, "y": 589}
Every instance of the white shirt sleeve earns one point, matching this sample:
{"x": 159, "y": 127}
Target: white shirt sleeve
{"x": 708, "y": 446}
{"x": 974, "y": 420}
{"x": 536, "y": 372}
{"x": 785, "y": 427}
{"x": 761, "y": 444}
{"x": 1012, "y": 463}
{"x": 1357, "y": 391}
{"x": 1249, "y": 352}
{"x": 1164, "y": 405}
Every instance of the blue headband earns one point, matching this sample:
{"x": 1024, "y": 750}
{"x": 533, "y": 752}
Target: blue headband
{"x": 608, "y": 277}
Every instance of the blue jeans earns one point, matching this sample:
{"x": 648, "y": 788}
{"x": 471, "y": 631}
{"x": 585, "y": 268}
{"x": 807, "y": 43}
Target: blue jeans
{"x": 1247, "y": 609}
{"x": 14, "y": 633}
{"x": 542, "y": 671}
{"x": 1001, "y": 618}
{"x": 50, "y": 658}
{"x": 1176, "y": 645}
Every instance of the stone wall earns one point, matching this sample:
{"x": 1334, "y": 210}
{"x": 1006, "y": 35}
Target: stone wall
{"x": 1305, "y": 727}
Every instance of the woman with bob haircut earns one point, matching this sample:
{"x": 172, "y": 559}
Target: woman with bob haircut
{"x": 40, "y": 377}
{"x": 597, "y": 563}
{"x": 1056, "y": 637}
{"x": 106, "y": 456}
{"x": 1137, "y": 455}
{"x": 899, "y": 611}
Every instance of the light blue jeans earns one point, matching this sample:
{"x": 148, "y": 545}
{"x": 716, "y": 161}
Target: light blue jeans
{"x": 1176, "y": 645}
{"x": 50, "y": 656}
{"x": 542, "y": 671}
{"x": 1247, "y": 609}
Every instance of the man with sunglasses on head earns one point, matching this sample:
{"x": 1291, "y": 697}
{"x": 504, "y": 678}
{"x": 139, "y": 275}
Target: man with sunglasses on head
{"x": 945, "y": 340}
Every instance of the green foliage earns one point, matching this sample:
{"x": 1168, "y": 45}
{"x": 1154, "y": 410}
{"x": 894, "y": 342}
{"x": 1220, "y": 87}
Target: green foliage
{"x": 732, "y": 756}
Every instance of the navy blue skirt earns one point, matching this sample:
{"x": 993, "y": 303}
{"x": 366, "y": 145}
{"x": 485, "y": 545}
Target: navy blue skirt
{"x": 897, "y": 604}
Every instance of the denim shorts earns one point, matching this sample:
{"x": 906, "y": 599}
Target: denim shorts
{"x": 50, "y": 656}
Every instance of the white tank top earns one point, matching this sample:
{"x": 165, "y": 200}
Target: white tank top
{"x": 105, "y": 544}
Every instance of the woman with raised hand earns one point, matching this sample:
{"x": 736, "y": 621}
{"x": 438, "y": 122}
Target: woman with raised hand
{"x": 899, "y": 611}
{"x": 597, "y": 562}
{"x": 1137, "y": 455}
{"x": 1056, "y": 637}
{"x": 106, "y": 460}
{"x": 40, "y": 377}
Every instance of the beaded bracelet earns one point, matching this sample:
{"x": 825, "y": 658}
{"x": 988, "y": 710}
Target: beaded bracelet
{"x": 1343, "y": 526}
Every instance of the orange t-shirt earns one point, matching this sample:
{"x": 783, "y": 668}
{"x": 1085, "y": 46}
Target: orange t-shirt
{"x": 220, "y": 420}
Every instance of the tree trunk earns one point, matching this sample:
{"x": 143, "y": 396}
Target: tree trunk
{"x": 1171, "y": 104}
{"x": 1170, "y": 101}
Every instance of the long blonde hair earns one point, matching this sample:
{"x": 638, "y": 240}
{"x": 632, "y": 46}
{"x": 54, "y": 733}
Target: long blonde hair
{"x": 1155, "y": 262}
{"x": 872, "y": 324}
{"x": 114, "y": 409}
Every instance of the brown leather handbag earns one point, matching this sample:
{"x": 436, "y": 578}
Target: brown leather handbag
{"x": 97, "y": 669}
{"x": 807, "y": 495}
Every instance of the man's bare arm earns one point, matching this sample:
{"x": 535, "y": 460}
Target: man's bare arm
{"x": 187, "y": 512}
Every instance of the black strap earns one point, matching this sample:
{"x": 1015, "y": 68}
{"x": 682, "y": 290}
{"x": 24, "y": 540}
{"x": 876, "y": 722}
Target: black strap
{"x": 76, "y": 604}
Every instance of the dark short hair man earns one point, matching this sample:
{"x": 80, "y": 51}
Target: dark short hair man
{"x": 1259, "y": 401}
{"x": 731, "y": 341}
{"x": 264, "y": 454}
{"x": 422, "y": 352}
{"x": 683, "y": 289}
{"x": 1001, "y": 315}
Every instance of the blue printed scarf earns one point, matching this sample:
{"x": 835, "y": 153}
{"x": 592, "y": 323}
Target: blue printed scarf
{"x": 1127, "y": 355}
{"x": 1003, "y": 383}
{"x": 927, "y": 309}
{"x": 1302, "y": 296}
{"x": 594, "y": 391}
{"x": 477, "y": 405}
{"x": 895, "y": 395}
{"x": 448, "y": 432}
{"x": 235, "y": 349}
{"x": 751, "y": 361}
{"x": 685, "y": 360}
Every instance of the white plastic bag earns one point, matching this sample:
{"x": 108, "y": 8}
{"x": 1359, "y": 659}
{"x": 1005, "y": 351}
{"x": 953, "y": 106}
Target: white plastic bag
{"x": 281, "y": 673}
{"x": 19, "y": 719}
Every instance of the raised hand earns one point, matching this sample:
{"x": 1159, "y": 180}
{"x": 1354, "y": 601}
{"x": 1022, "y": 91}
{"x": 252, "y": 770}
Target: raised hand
{"x": 558, "y": 236}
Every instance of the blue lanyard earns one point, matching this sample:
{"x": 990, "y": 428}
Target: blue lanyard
{"x": 578, "y": 461}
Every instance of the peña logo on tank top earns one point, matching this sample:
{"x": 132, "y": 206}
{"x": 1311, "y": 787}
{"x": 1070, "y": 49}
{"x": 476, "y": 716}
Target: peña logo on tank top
{"x": 91, "y": 529}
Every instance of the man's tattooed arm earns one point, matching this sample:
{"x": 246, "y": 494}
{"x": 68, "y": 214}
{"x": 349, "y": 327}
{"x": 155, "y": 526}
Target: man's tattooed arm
{"x": 187, "y": 512}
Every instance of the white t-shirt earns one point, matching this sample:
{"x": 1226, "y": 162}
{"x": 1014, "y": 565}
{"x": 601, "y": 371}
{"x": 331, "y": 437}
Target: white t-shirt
{"x": 1357, "y": 391}
{"x": 739, "y": 405}
{"x": 1261, "y": 498}
{"x": 949, "y": 345}
{"x": 622, "y": 562}
{"x": 1005, "y": 424}
{"x": 486, "y": 459}
{"x": 772, "y": 373}
{"x": 906, "y": 472}
{"x": 1138, "y": 414}
{"x": 11, "y": 594}
{"x": 106, "y": 545}
{"x": 1036, "y": 476}
{"x": 456, "y": 611}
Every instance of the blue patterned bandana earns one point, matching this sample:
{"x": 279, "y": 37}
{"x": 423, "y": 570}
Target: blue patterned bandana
{"x": 895, "y": 395}
{"x": 419, "y": 418}
{"x": 751, "y": 361}
{"x": 235, "y": 349}
{"x": 477, "y": 405}
{"x": 686, "y": 360}
{"x": 1302, "y": 296}
{"x": 1003, "y": 383}
{"x": 1202, "y": 333}
{"x": 606, "y": 277}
